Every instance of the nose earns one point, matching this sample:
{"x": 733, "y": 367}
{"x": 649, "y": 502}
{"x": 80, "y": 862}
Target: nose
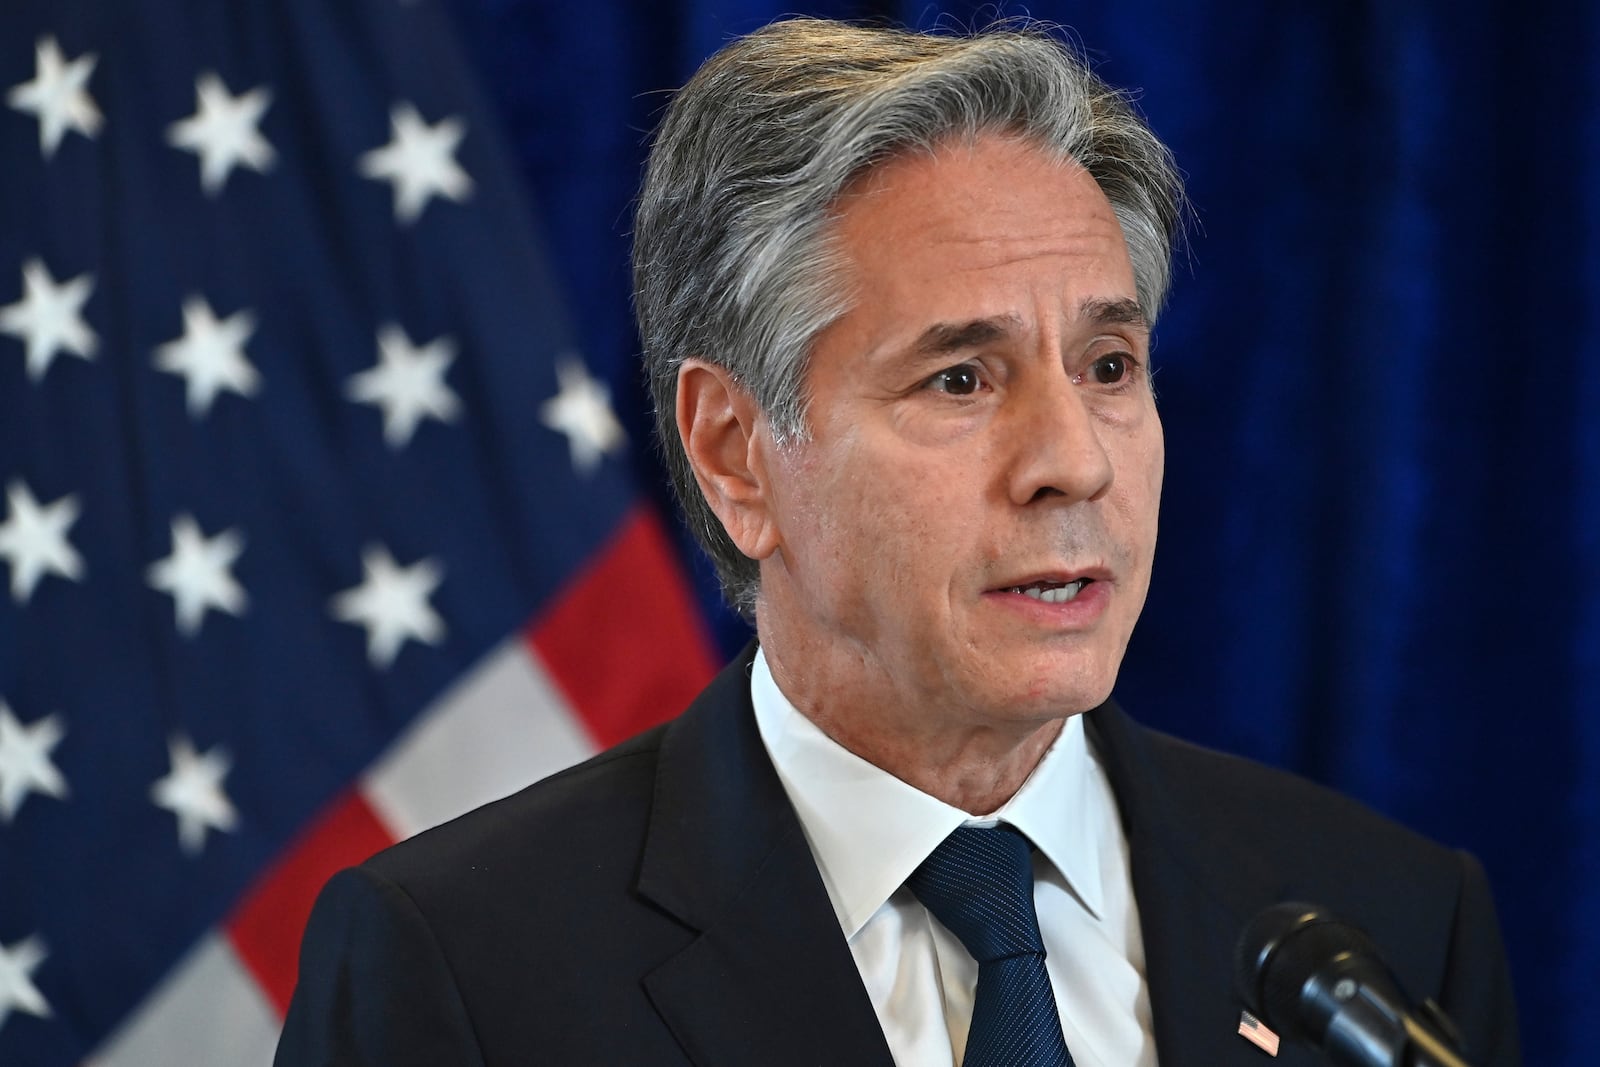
{"x": 1057, "y": 447}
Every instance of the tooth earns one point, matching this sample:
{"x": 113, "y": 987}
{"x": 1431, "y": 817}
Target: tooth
{"x": 1059, "y": 595}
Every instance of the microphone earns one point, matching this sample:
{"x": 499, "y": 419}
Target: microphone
{"x": 1318, "y": 980}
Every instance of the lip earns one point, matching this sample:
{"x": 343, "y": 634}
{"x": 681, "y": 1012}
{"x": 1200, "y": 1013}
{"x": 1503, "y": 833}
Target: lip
{"x": 1057, "y": 575}
{"x": 1081, "y": 612}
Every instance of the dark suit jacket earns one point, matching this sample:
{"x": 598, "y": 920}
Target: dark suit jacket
{"x": 658, "y": 904}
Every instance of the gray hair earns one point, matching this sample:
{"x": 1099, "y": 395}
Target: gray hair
{"x": 733, "y": 256}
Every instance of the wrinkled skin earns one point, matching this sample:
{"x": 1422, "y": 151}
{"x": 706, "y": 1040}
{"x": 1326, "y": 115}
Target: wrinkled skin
{"x": 981, "y": 420}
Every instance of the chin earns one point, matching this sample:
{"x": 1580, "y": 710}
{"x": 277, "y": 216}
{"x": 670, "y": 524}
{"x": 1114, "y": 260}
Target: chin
{"x": 1041, "y": 704}
{"x": 1059, "y": 692}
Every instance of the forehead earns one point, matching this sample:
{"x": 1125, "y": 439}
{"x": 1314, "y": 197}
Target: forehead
{"x": 991, "y": 189}
{"x": 988, "y": 227}
{"x": 948, "y": 161}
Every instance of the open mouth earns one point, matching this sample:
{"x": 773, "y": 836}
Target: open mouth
{"x": 1052, "y": 592}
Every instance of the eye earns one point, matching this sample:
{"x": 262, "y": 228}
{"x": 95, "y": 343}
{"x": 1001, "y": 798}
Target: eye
{"x": 960, "y": 380}
{"x": 1111, "y": 369}
{"x": 1112, "y": 372}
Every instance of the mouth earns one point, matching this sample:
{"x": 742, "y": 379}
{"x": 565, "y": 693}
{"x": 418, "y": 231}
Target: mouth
{"x": 1051, "y": 592}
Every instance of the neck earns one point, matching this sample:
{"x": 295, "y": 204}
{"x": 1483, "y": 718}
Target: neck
{"x": 973, "y": 766}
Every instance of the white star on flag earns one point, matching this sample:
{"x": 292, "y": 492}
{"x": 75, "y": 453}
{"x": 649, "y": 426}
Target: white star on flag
{"x": 58, "y": 95}
{"x": 33, "y": 539}
{"x": 419, "y": 161}
{"x": 407, "y": 383}
{"x": 210, "y": 355}
{"x": 582, "y": 411}
{"x": 17, "y": 991}
{"x": 392, "y": 603}
{"x": 49, "y": 317}
{"x": 197, "y": 575}
{"x": 193, "y": 792}
{"x": 223, "y": 133}
{"x": 25, "y": 764}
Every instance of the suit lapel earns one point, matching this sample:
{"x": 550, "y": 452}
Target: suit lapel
{"x": 1196, "y": 886}
{"x": 770, "y": 978}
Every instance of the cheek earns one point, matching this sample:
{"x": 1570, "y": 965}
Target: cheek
{"x": 874, "y": 519}
{"x": 1139, "y": 474}
{"x": 839, "y": 526}
{"x": 1157, "y": 461}
{"x": 895, "y": 534}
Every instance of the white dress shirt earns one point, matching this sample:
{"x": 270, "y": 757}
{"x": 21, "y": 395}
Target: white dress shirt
{"x": 868, "y": 831}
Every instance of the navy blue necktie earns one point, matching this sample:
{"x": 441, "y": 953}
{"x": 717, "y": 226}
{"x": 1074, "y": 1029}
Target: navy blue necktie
{"x": 979, "y": 884}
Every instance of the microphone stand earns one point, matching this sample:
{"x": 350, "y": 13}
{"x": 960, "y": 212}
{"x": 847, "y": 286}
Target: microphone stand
{"x": 1363, "y": 1031}
{"x": 1426, "y": 1046}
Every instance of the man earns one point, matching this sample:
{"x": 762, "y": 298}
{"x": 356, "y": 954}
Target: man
{"x": 896, "y": 294}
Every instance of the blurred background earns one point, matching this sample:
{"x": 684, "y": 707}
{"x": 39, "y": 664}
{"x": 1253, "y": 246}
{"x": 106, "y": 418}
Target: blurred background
{"x": 331, "y": 508}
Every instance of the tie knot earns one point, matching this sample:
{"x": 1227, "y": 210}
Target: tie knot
{"x": 979, "y": 884}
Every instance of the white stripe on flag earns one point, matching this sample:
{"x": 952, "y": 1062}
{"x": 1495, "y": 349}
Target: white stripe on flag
{"x": 209, "y": 1010}
{"x": 502, "y": 726}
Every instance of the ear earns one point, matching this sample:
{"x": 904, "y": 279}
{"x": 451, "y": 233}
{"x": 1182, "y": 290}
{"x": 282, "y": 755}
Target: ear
{"x": 724, "y": 434}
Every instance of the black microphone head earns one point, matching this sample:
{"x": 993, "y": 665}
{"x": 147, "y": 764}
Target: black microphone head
{"x": 1282, "y": 949}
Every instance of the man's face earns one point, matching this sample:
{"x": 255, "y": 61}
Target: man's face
{"x": 966, "y": 537}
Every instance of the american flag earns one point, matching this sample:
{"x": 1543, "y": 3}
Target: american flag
{"x": 316, "y": 528}
{"x": 1258, "y": 1034}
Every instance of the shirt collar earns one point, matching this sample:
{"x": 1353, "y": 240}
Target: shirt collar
{"x": 868, "y": 830}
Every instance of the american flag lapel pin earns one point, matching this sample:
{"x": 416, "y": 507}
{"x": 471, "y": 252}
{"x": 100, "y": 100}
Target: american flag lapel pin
{"x": 1256, "y": 1032}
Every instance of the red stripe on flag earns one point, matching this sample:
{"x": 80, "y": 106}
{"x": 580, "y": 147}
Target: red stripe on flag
{"x": 265, "y": 928}
{"x": 624, "y": 641}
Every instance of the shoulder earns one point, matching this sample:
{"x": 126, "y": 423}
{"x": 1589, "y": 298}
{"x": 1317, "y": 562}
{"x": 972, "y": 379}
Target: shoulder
{"x": 499, "y": 909}
{"x": 1308, "y": 830}
{"x": 1239, "y": 786}
{"x": 571, "y": 818}
{"x": 1234, "y": 789}
{"x": 1257, "y": 834}
{"x": 1428, "y": 905}
{"x": 579, "y": 830}
{"x": 513, "y": 898}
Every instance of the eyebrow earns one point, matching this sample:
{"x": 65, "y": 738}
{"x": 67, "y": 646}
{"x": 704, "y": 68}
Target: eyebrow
{"x": 946, "y": 337}
{"x": 1113, "y": 313}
